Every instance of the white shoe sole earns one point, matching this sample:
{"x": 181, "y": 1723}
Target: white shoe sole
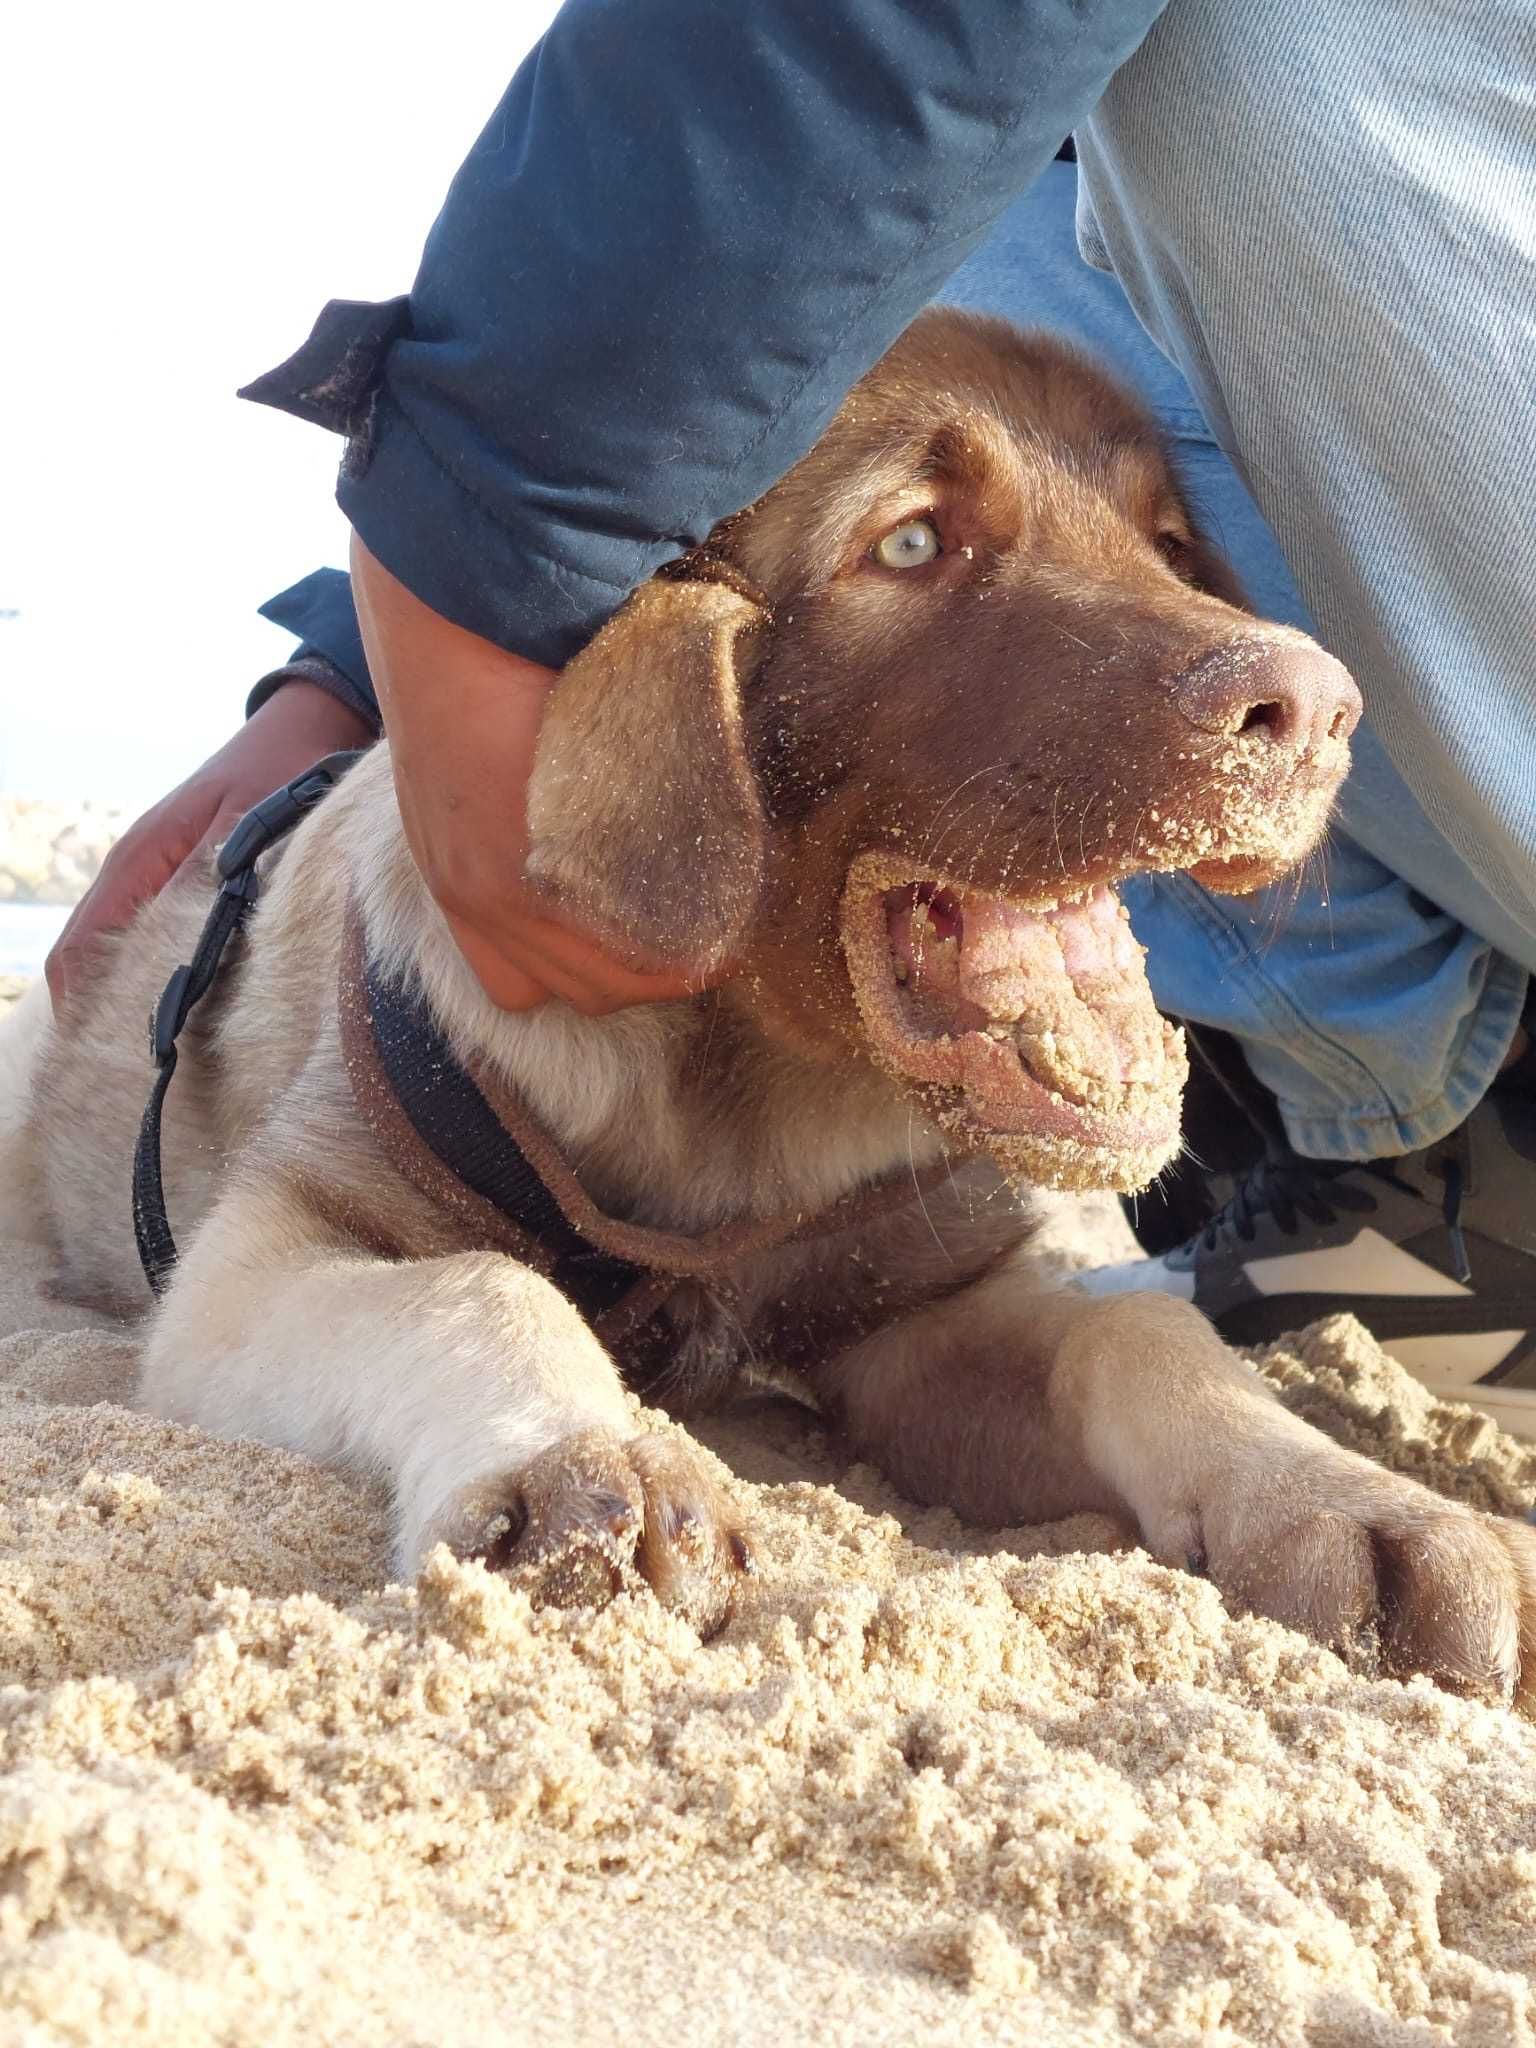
{"x": 1432, "y": 1361}
{"x": 1515, "y": 1413}
{"x": 1447, "y": 1367}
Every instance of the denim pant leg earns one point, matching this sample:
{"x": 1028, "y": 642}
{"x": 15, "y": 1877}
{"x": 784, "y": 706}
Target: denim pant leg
{"x": 1324, "y": 215}
{"x": 1367, "y": 997}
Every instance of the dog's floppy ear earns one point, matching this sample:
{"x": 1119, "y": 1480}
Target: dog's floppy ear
{"x": 643, "y": 814}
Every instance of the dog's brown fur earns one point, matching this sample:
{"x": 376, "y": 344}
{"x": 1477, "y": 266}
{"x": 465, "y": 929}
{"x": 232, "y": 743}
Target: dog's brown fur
{"x": 1057, "y": 699}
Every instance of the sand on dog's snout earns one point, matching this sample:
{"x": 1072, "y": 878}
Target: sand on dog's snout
{"x": 935, "y": 1786}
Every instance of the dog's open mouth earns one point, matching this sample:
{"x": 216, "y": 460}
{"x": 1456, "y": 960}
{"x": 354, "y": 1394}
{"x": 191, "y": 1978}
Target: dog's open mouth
{"x": 1030, "y": 1030}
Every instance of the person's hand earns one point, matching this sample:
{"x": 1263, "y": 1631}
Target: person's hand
{"x": 462, "y": 717}
{"x": 296, "y": 726}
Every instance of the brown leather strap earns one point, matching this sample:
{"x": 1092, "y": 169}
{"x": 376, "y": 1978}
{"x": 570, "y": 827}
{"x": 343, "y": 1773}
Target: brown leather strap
{"x": 707, "y": 1253}
{"x": 666, "y": 1256}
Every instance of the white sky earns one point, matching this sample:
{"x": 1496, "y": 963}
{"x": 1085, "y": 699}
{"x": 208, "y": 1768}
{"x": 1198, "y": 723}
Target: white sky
{"x": 185, "y": 185}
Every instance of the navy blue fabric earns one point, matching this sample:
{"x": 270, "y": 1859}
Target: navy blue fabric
{"x": 320, "y": 611}
{"x": 686, "y": 231}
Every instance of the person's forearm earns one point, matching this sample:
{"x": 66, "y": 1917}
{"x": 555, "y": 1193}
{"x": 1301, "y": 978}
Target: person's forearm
{"x": 686, "y": 232}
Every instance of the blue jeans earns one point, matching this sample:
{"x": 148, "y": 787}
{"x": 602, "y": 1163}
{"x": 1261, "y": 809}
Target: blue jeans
{"x": 1378, "y": 999}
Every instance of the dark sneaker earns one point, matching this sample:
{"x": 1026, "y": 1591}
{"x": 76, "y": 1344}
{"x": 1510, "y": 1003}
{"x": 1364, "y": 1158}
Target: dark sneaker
{"x": 1434, "y": 1252}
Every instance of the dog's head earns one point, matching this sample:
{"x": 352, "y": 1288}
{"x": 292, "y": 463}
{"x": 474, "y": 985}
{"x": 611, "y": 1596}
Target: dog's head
{"x": 886, "y": 747}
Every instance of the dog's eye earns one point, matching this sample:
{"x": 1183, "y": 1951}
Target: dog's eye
{"x": 1175, "y": 549}
{"x": 909, "y": 546}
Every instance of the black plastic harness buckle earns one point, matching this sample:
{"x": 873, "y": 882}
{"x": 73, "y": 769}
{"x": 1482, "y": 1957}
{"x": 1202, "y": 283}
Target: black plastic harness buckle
{"x": 267, "y": 822}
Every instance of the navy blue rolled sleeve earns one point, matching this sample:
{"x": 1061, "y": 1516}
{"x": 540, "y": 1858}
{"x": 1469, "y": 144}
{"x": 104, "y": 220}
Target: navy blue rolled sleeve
{"x": 319, "y": 610}
{"x": 687, "y": 230}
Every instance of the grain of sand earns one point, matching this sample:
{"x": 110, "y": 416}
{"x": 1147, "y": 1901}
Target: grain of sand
{"x": 936, "y": 1786}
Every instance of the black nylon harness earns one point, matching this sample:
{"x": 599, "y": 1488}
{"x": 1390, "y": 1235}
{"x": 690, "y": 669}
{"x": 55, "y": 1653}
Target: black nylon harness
{"x": 448, "y": 1111}
{"x": 262, "y": 827}
{"x": 453, "y": 1119}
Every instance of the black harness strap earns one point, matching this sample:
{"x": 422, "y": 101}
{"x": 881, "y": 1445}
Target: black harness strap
{"x": 271, "y": 820}
{"x": 454, "y": 1120}
{"x": 445, "y": 1107}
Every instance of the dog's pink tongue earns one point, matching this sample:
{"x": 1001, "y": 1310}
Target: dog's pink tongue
{"x": 1005, "y": 947}
{"x": 1064, "y": 988}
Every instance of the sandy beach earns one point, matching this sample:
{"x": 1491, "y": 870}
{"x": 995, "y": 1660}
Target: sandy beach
{"x": 934, "y": 1785}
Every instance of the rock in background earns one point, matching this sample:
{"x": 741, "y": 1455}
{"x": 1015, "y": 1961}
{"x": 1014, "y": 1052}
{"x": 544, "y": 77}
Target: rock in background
{"x": 50, "y": 852}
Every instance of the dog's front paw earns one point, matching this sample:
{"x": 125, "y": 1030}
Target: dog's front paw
{"x": 1365, "y": 1561}
{"x": 578, "y": 1520}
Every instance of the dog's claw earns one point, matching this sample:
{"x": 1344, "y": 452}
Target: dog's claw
{"x": 689, "y": 1550}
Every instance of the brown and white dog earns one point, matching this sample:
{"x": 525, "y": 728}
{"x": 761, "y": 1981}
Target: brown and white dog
{"x": 881, "y": 758}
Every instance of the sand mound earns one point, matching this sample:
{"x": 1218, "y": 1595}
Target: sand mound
{"x": 935, "y": 1787}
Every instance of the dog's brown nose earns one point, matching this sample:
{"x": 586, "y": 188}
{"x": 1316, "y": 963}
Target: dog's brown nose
{"x": 1289, "y": 690}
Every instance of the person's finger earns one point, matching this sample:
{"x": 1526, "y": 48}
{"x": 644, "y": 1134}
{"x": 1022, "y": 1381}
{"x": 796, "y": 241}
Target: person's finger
{"x": 520, "y": 972}
{"x": 296, "y": 725}
{"x": 137, "y": 868}
{"x": 551, "y": 962}
{"x": 509, "y": 986}
{"x": 217, "y": 830}
{"x": 600, "y": 981}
